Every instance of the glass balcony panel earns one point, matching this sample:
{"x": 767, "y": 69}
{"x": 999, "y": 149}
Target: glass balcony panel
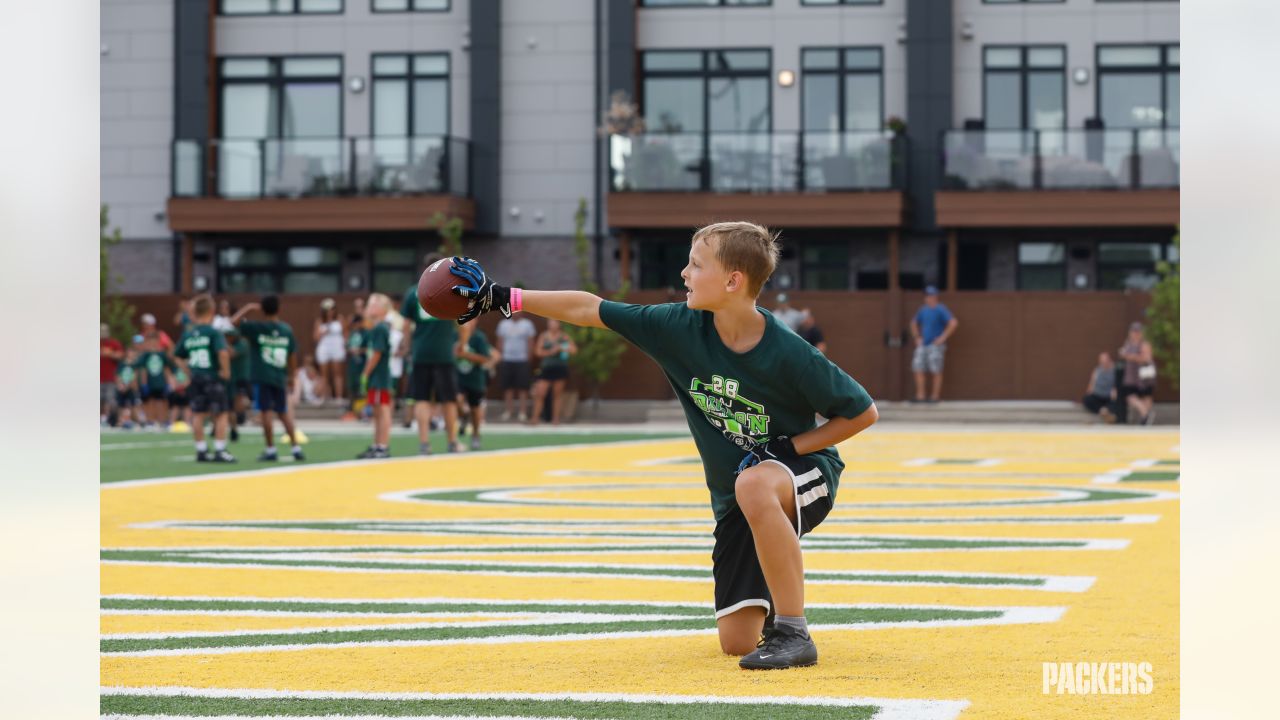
{"x": 1159, "y": 158}
{"x": 848, "y": 161}
{"x": 304, "y": 167}
{"x": 655, "y": 162}
{"x": 187, "y": 164}
{"x": 989, "y": 159}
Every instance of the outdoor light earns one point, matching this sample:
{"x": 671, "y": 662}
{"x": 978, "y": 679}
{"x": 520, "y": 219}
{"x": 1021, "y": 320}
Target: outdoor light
{"x": 786, "y": 78}
{"x": 1080, "y": 75}
{"x": 356, "y": 84}
{"x": 355, "y": 282}
{"x": 200, "y": 283}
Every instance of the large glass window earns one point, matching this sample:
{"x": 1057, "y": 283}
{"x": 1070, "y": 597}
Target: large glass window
{"x": 1138, "y": 86}
{"x": 843, "y": 89}
{"x": 1131, "y": 265}
{"x": 410, "y": 101}
{"x": 395, "y": 269}
{"x": 1024, "y": 87}
{"x": 702, "y": 3}
{"x": 841, "y": 2}
{"x": 301, "y": 269}
{"x": 280, "y": 125}
{"x": 824, "y": 266}
{"x": 661, "y": 261}
{"x": 410, "y": 5}
{"x": 1042, "y": 266}
{"x": 712, "y": 90}
{"x": 279, "y": 7}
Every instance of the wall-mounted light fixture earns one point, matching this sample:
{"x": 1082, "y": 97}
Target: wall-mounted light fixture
{"x": 200, "y": 283}
{"x": 356, "y": 84}
{"x": 355, "y": 282}
{"x": 786, "y": 78}
{"x": 966, "y": 29}
{"x": 1080, "y": 75}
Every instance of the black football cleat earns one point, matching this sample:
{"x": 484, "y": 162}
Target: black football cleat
{"x": 781, "y": 647}
{"x": 222, "y": 456}
{"x": 202, "y": 456}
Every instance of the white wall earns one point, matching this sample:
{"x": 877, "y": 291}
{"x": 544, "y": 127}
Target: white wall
{"x": 136, "y": 119}
{"x": 786, "y": 27}
{"x": 1081, "y": 25}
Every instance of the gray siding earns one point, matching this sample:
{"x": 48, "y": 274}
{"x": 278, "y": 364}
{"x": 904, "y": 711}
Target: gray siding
{"x": 136, "y": 120}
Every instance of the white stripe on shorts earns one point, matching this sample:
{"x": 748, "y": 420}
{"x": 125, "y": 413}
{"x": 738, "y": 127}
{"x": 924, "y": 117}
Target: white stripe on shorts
{"x": 796, "y": 482}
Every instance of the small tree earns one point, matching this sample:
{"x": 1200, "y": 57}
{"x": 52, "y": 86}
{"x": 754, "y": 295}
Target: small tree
{"x": 599, "y": 349}
{"x": 450, "y": 229}
{"x": 115, "y": 312}
{"x": 1162, "y": 319}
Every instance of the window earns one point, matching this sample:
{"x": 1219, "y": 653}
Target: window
{"x": 702, "y": 3}
{"x": 1024, "y": 87}
{"x": 841, "y": 2}
{"x": 410, "y": 5}
{"x": 1042, "y": 266}
{"x": 394, "y": 269}
{"x": 713, "y": 90}
{"x": 279, "y": 7}
{"x": 410, "y": 95}
{"x": 1131, "y": 265}
{"x": 302, "y": 269}
{"x": 824, "y": 266}
{"x": 843, "y": 89}
{"x": 1013, "y": 2}
{"x": 661, "y": 262}
{"x": 280, "y": 125}
{"x": 1138, "y": 86}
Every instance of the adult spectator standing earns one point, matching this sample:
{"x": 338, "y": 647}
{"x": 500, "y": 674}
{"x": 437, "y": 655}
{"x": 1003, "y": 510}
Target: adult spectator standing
{"x": 1100, "y": 393}
{"x": 434, "y": 375}
{"x": 110, "y": 352}
{"x": 151, "y": 333}
{"x": 787, "y": 314}
{"x": 554, "y": 350}
{"x": 811, "y": 333}
{"x": 331, "y": 351}
{"x": 515, "y": 375}
{"x": 931, "y": 326}
{"x": 1138, "y": 383}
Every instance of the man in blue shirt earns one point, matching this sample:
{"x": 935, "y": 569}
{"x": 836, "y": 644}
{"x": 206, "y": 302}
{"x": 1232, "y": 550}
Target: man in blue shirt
{"x": 931, "y": 327}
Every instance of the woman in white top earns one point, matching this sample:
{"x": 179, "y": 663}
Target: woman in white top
{"x": 331, "y": 352}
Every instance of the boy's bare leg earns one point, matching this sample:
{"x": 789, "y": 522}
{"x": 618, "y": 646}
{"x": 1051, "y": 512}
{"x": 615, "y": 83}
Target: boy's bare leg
{"x": 937, "y": 386}
{"x": 382, "y": 432}
{"x": 219, "y": 426}
{"x": 286, "y": 419}
{"x": 766, "y": 495}
{"x": 919, "y": 385}
{"x": 422, "y": 410}
{"x": 268, "y": 431}
{"x": 451, "y": 421}
{"x": 197, "y": 427}
{"x": 740, "y": 631}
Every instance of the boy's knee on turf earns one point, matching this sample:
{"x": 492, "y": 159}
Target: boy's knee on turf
{"x": 736, "y": 644}
{"x": 756, "y": 491}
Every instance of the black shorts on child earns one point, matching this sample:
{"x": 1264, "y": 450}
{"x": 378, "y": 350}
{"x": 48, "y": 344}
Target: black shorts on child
{"x": 735, "y": 566}
{"x": 207, "y": 395}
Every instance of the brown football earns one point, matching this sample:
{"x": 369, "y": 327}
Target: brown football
{"x": 435, "y": 291}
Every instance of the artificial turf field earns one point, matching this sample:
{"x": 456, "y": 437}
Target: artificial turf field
{"x": 574, "y": 582}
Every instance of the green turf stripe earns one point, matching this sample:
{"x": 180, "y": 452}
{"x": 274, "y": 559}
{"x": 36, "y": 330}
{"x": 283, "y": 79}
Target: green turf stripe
{"x": 392, "y": 608}
{"x": 578, "y": 709}
{"x": 1150, "y": 476}
{"x": 839, "y": 616}
{"x": 1168, "y": 462}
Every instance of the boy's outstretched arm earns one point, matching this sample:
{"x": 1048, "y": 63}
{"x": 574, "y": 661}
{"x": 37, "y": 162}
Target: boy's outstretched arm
{"x": 571, "y": 306}
{"x": 834, "y": 431}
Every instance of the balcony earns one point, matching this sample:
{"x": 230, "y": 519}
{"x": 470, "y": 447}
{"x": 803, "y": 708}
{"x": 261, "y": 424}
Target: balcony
{"x": 1059, "y": 177}
{"x": 791, "y": 178}
{"x": 354, "y": 183}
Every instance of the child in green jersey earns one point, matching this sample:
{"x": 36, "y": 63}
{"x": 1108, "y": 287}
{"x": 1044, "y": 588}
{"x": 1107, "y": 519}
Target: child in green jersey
{"x": 750, "y": 388}
{"x": 155, "y": 379}
{"x": 273, "y": 357}
{"x": 203, "y": 352}
{"x": 375, "y": 378}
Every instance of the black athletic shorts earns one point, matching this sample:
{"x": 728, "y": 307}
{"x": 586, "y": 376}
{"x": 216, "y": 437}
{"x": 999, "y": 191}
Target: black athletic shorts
{"x": 734, "y": 564}
{"x": 435, "y": 382}
{"x": 474, "y": 397}
{"x": 207, "y": 395}
{"x": 553, "y": 373}
{"x": 178, "y": 398}
{"x": 270, "y": 398}
{"x": 514, "y": 375}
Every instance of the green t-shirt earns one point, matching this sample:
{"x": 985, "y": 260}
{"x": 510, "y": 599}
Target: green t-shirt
{"x": 153, "y": 363}
{"x": 378, "y": 339}
{"x": 732, "y": 400}
{"x": 239, "y": 360}
{"x": 200, "y": 345}
{"x": 433, "y": 337}
{"x": 355, "y": 351}
{"x": 559, "y": 359}
{"x": 270, "y": 344}
{"x": 470, "y": 375}
{"x": 125, "y": 373}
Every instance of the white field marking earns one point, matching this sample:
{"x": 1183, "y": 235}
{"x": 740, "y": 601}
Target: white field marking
{"x": 920, "y": 462}
{"x": 143, "y": 445}
{"x": 544, "y": 618}
{"x": 556, "y": 528}
{"x": 1008, "y": 616}
{"x": 1149, "y": 462}
{"x": 366, "y": 464}
{"x": 677, "y": 460}
{"x": 1112, "y": 476}
{"x": 890, "y": 709}
{"x": 988, "y": 462}
{"x": 315, "y": 614}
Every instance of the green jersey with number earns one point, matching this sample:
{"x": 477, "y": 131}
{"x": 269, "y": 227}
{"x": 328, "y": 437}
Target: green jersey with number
{"x": 200, "y": 346}
{"x": 153, "y": 364}
{"x": 733, "y": 401}
{"x": 239, "y": 360}
{"x": 378, "y": 339}
{"x": 470, "y": 375}
{"x": 270, "y": 344}
{"x": 433, "y": 337}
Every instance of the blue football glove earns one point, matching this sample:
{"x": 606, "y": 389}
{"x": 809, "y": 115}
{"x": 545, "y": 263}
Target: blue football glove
{"x": 780, "y": 448}
{"x": 485, "y": 295}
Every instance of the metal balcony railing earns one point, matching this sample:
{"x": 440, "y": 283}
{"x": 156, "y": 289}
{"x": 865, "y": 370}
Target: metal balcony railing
{"x": 319, "y": 167}
{"x": 756, "y": 162}
{"x": 1060, "y": 159}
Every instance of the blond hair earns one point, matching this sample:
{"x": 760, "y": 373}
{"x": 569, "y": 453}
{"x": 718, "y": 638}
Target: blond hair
{"x": 743, "y": 246}
{"x": 202, "y": 305}
{"x": 379, "y": 300}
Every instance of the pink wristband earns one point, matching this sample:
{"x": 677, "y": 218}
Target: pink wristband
{"x": 517, "y": 299}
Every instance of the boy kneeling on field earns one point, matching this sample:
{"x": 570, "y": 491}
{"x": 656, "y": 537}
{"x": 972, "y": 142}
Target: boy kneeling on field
{"x": 750, "y": 388}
